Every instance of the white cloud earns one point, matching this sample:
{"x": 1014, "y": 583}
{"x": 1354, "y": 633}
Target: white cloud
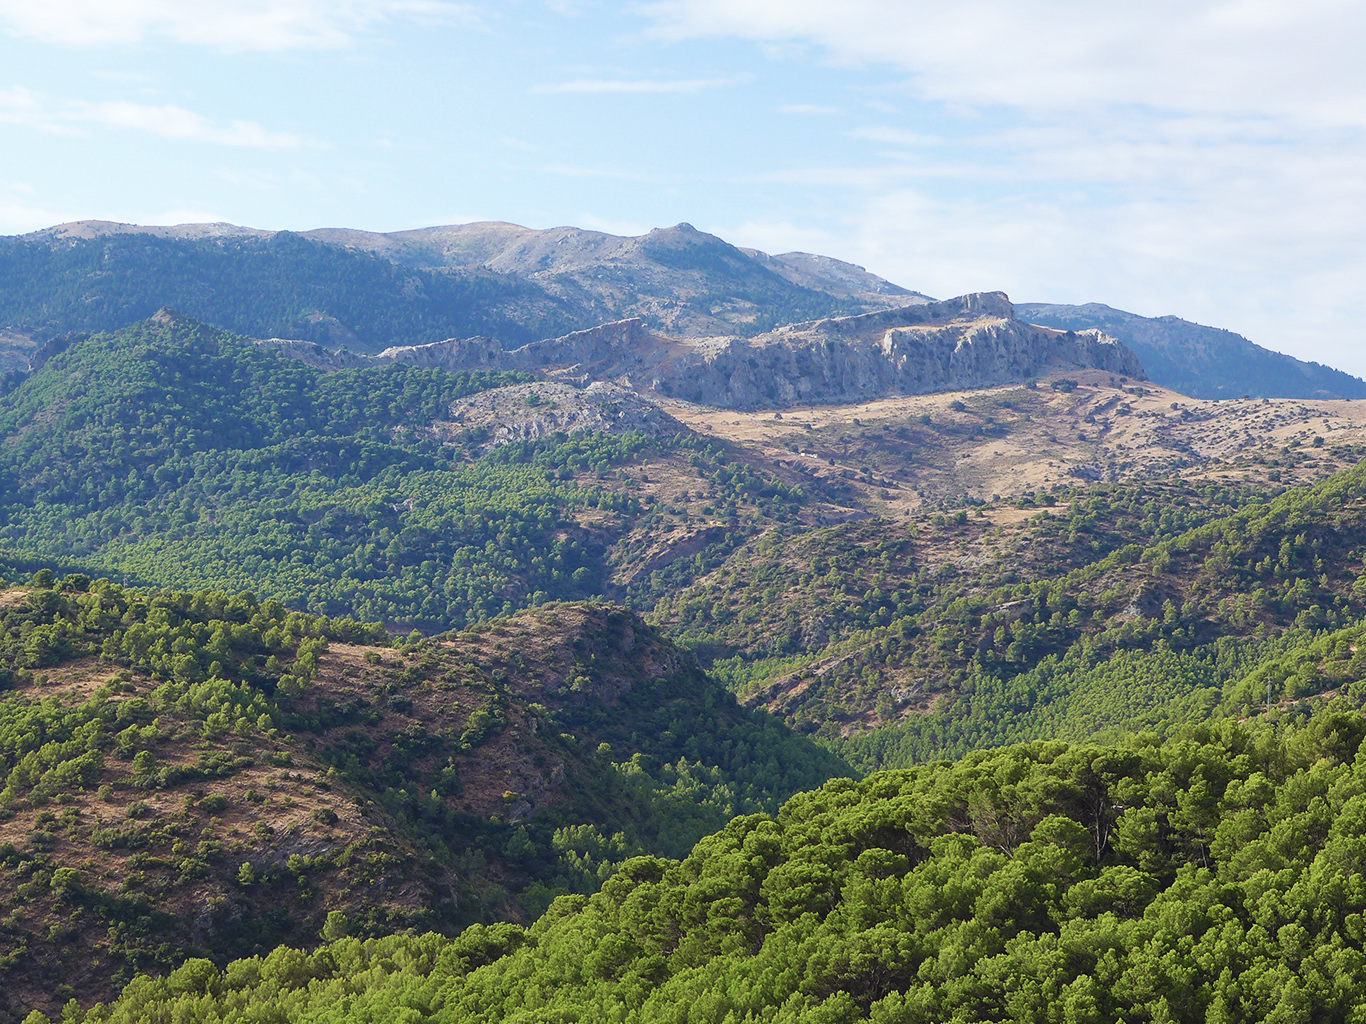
{"x": 178, "y": 123}
{"x": 778, "y": 236}
{"x": 1199, "y": 157}
{"x": 636, "y": 85}
{"x": 20, "y": 106}
{"x": 223, "y": 24}
{"x": 16, "y": 218}
{"x": 1227, "y": 56}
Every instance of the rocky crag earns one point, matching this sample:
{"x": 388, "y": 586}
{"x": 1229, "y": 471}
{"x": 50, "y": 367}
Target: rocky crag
{"x": 525, "y": 412}
{"x": 972, "y": 341}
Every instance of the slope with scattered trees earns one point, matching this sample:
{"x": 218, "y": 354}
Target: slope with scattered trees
{"x": 207, "y": 774}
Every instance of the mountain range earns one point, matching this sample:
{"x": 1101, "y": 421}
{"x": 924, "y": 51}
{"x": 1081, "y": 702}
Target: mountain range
{"x": 364, "y": 292}
{"x": 1203, "y": 362}
{"x": 499, "y": 625}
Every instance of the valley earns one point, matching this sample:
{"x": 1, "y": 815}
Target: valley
{"x": 612, "y": 623}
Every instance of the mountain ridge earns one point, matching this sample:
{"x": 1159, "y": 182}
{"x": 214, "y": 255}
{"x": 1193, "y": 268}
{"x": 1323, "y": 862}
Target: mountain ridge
{"x": 1201, "y": 361}
{"x": 282, "y": 768}
{"x": 366, "y": 291}
{"x": 970, "y": 341}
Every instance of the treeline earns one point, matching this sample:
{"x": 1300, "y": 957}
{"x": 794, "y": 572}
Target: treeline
{"x": 1214, "y": 876}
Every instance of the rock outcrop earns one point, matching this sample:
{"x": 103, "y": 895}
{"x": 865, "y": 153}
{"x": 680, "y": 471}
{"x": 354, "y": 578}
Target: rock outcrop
{"x": 969, "y": 342}
{"x": 525, "y": 412}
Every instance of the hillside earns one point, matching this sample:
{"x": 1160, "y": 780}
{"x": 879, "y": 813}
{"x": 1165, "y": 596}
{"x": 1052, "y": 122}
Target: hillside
{"x": 177, "y": 455}
{"x": 856, "y": 559}
{"x": 278, "y": 285}
{"x": 918, "y": 581}
{"x": 1109, "y": 612}
{"x": 679, "y": 280}
{"x": 365, "y": 292}
{"x": 1213, "y": 877}
{"x": 1203, "y": 362}
{"x": 205, "y": 774}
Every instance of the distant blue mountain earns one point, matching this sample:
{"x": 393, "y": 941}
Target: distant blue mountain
{"x": 1203, "y": 362}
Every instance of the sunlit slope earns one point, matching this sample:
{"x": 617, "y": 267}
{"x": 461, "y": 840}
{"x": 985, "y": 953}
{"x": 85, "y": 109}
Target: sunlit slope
{"x": 204, "y": 774}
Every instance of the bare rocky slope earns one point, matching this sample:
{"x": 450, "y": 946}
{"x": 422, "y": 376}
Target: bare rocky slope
{"x": 526, "y": 412}
{"x": 972, "y": 341}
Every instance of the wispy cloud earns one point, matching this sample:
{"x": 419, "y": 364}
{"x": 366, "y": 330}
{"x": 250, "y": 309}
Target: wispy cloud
{"x": 1199, "y": 157}
{"x": 1224, "y": 56}
{"x": 178, "y": 123}
{"x": 815, "y": 109}
{"x": 222, "y": 24}
{"x": 21, "y": 106}
{"x": 637, "y": 85}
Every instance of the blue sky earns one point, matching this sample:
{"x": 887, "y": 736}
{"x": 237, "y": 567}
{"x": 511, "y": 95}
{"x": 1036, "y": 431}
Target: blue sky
{"x": 1196, "y": 158}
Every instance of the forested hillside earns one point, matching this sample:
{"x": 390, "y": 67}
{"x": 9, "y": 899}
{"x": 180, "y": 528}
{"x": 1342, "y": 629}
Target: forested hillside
{"x": 280, "y": 286}
{"x": 857, "y": 627}
{"x": 428, "y": 719}
{"x": 1215, "y": 876}
{"x": 324, "y": 288}
{"x": 175, "y": 454}
{"x": 205, "y": 774}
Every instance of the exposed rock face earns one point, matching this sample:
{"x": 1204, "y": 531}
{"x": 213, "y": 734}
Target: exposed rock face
{"x": 969, "y": 342}
{"x": 525, "y": 412}
{"x": 451, "y": 354}
{"x": 315, "y": 354}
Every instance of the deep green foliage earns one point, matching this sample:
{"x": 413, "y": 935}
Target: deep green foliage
{"x": 176, "y": 455}
{"x": 222, "y": 656}
{"x": 1212, "y": 877}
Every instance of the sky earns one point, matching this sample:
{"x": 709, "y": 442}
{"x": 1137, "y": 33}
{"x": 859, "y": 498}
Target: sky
{"x": 1201, "y": 159}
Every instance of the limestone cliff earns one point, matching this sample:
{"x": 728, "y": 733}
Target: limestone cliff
{"x": 968, "y": 342}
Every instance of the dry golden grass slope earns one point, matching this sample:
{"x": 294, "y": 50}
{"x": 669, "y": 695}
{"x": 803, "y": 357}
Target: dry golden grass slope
{"x": 883, "y": 458}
